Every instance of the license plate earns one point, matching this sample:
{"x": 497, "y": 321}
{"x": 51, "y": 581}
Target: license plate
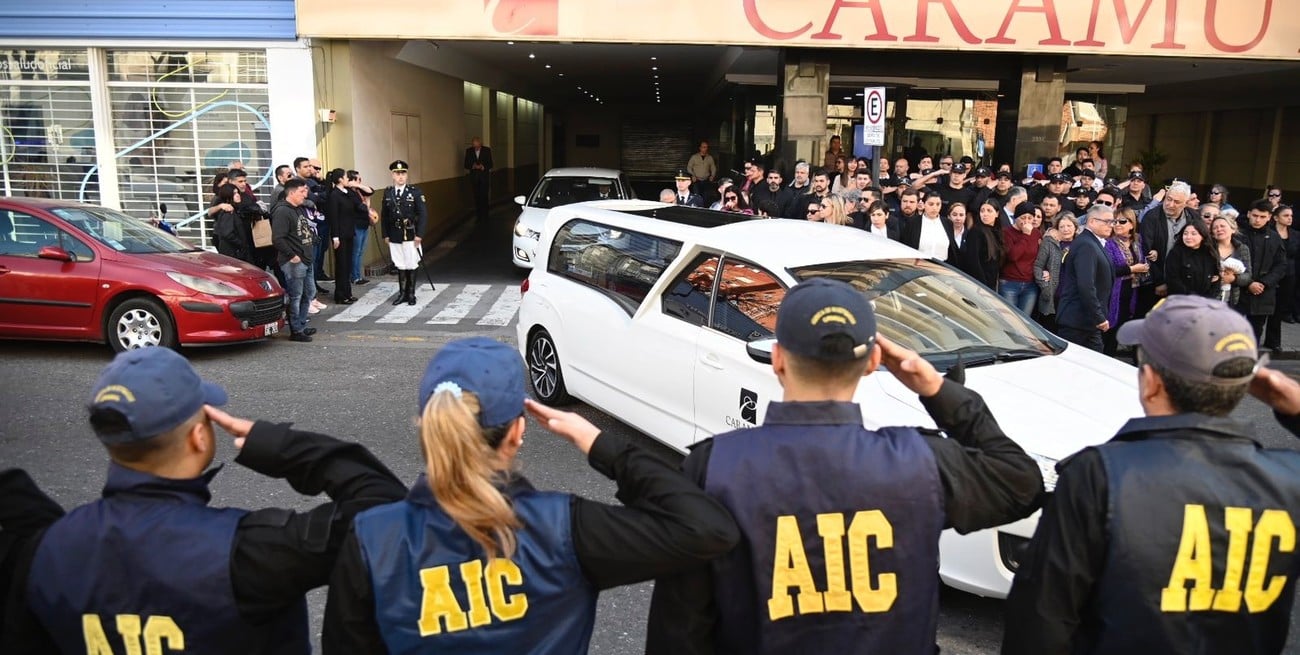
{"x": 270, "y": 328}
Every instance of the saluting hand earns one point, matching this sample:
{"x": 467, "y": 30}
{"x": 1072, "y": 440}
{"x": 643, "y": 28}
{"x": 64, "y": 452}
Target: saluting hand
{"x": 237, "y": 427}
{"x": 909, "y": 368}
{"x": 1277, "y": 390}
{"x": 577, "y": 430}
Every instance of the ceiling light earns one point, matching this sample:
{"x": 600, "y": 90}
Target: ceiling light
{"x": 858, "y": 94}
{"x": 548, "y": 65}
{"x": 653, "y": 58}
{"x": 848, "y": 97}
{"x": 654, "y": 68}
{"x": 561, "y": 74}
{"x": 532, "y": 56}
{"x": 510, "y": 42}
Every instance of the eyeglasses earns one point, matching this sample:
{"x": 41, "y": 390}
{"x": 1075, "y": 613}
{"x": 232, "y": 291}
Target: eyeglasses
{"x": 814, "y": 210}
{"x": 1104, "y": 203}
{"x": 1208, "y": 216}
{"x": 1216, "y": 193}
{"x": 1275, "y": 195}
{"x": 731, "y": 197}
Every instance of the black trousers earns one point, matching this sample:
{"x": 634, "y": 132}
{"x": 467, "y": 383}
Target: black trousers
{"x": 1089, "y": 338}
{"x": 343, "y": 268}
{"x": 1147, "y": 299}
{"x": 478, "y": 183}
{"x": 1285, "y": 309}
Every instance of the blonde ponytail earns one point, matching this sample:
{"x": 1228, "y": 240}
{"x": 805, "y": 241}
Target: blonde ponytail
{"x": 461, "y": 467}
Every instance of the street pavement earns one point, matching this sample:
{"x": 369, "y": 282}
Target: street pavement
{"x": 358, "y": 380}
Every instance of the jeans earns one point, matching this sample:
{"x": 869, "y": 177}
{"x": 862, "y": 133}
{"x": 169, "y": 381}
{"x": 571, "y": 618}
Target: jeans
{"x": 358, "y": 248}
{"x": 301, "y": 289}
{"x": 1023, "y": 295}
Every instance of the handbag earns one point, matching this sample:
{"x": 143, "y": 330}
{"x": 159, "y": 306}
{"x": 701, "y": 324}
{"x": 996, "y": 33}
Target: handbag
{"x": 262, "y": 233}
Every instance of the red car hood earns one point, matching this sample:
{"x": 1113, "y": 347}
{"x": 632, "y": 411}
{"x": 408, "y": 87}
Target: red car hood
{"x": 210, "y": 265}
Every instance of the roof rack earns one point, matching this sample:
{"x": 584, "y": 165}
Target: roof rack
{"x": 694, "y": 216}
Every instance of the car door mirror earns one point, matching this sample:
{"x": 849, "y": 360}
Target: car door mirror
{"x": 760, "y": 350}
{"x": 55, "y": 253}
{"x": 521, "y": 201}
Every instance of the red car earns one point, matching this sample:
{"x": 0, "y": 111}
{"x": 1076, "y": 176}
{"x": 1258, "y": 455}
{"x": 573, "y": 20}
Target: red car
{"x": 77, "y": 272}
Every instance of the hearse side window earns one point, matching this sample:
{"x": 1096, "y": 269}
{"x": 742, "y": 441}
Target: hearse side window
{"x": 747, "y": 300}
{"x": 621, "y": 263}
{"x": 690, "y": 295}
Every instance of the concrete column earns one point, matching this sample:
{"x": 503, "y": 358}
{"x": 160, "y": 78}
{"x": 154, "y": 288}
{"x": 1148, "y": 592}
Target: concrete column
{"x": 102, "y": 119}
{"x": 805, "y": 91}
{"x": 1029, "y": 111}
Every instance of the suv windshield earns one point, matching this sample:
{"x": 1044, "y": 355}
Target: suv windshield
{"x": 119, "y": 231}
{"x": 939, "y": 312}
{"x": 556, "y": 191}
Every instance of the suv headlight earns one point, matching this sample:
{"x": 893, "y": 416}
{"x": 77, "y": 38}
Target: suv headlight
{"x": 520, "y": 230}
{"x": 205, "y": 285}
{"x": 1047, "y": 467}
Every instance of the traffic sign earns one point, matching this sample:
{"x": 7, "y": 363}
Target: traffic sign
{"x": 873, "y": 116}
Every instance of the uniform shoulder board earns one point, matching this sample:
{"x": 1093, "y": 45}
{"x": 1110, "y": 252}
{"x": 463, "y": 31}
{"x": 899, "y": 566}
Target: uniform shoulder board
{"x": 932, "y": 432}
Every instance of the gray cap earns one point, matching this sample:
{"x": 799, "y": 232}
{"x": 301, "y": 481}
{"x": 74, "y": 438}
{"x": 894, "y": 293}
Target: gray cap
{"x": 1190, "y": 336}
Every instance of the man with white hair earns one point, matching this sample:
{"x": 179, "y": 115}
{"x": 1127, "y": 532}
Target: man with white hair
{"x": 669, "y": 196}
{"x": 1159, "y": 227}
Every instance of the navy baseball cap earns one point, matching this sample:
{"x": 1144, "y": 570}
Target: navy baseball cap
{"x": 491, "y": 370}
{"x": 1190, "y": 336}
{"x": 983, "y": 171}
{"x": 818, "y": 314}
{"x": 155, "y": 390}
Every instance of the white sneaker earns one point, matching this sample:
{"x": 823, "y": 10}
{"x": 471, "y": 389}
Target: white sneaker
{"x": 313, "y": 310}
{"x": 317, "y": 305}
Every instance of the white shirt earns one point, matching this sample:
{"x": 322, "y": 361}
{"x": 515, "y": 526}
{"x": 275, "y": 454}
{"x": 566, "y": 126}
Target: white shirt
{"x": 883, "y": 230}
{"x": 934, "y": 239}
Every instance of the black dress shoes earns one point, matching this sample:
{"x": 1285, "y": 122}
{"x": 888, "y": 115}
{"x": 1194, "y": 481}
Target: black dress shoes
{"x": 300, "y": 337}
{"x": 309, "y": 331}
{"x": 345, "y": 301}
{"x": 361, "y": 281}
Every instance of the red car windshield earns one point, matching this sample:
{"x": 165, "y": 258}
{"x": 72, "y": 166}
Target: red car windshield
{"x": 119, "y": 231}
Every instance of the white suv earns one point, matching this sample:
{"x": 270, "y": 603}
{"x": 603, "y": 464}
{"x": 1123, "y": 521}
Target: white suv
{"x": 661, "y": 316}
{"x": 558, "y": 187}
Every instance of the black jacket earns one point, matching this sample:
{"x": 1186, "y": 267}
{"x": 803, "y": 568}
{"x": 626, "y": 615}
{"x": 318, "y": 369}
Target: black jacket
{"x": 910, "y": 234}
{"x": 1267, "y": 266}
{"x": 1086, "y": 280}
{"x": 278, "y": 555}
{"x": 666, "y": 525}
{"x": 1192, "y": 272}
{"x": 1153, "y": 227}
{"x": 981, "y": 255}
{"x": 291, "y": 234}
{"x": 987, "y": 479}
{"x": 345, "y": 211}
{"x": 229, "y": 229}
{"x": 1052, "y": 610}
{"x": 484, "y": 158}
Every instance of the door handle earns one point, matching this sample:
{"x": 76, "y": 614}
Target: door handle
{"x": 711, "y": 360}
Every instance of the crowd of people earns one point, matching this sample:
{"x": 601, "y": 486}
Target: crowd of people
{"x": 311, "y": 215}
{"x": 808, "y": 533}
{"x": 1016, "y": 234}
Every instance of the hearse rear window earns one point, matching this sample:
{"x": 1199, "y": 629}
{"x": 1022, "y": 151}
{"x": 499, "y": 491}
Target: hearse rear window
{"x": 621, "y": 263}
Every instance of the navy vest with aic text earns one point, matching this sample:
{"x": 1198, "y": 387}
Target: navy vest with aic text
{"x": 436, "y": 591}
{"x": 1201, "y": 554}
{"x": 841, "y": 535}
{"x": 146, "y": 569}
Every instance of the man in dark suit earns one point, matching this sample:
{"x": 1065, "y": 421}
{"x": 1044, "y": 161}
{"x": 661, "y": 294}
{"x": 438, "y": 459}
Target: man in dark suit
{"x": 478, "y": 161}
{"x": 922, "y": 230}
{"x": 1086, "y": 279}
{"x": 1267, "y": 268}
{"x": 684, "y": 194}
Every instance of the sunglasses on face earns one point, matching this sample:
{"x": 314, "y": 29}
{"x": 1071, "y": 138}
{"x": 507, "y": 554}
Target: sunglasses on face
{"x": 731, "y": 197}
{"x": 1216, "y": 193}
{"x": 1209, "y": 215}
{"x": 1105, "y": 203}
{"x": 1275, "y": 195}
{"x": 814, "y": 210}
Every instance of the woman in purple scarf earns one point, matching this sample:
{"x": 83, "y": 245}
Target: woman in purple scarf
{"x": 1128, "y": 257}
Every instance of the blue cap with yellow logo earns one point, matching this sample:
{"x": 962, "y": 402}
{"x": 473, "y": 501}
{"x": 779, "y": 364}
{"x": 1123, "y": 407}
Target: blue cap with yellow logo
{"x": 1191, "y": 336}
{"x": 826, "y": 319}
{"x": 155, "y": 390}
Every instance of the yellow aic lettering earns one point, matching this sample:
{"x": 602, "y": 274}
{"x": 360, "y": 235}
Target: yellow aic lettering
{"x": 485, "y": 590}
{"x": 157, "y": 629}
{"x": 1194, "y": 562}
{"x": 790, "y": 568}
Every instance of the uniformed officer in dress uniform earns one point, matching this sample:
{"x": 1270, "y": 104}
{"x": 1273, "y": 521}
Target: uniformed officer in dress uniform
{"x": 476, "y": 560}
{"x": 150, "y": 567}
{"x": 1179, "y": 534}
{"x": 403, "y": 218}
{"x": 840, "y": 524}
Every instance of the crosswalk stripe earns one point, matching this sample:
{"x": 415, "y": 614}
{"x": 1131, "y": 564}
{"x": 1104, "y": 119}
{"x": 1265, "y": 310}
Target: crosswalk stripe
{"x": 503, "y": 310}
{"x": 404, "y": 312}
{"x": 460, "y": 307}
{"x": 376, "y": 296}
